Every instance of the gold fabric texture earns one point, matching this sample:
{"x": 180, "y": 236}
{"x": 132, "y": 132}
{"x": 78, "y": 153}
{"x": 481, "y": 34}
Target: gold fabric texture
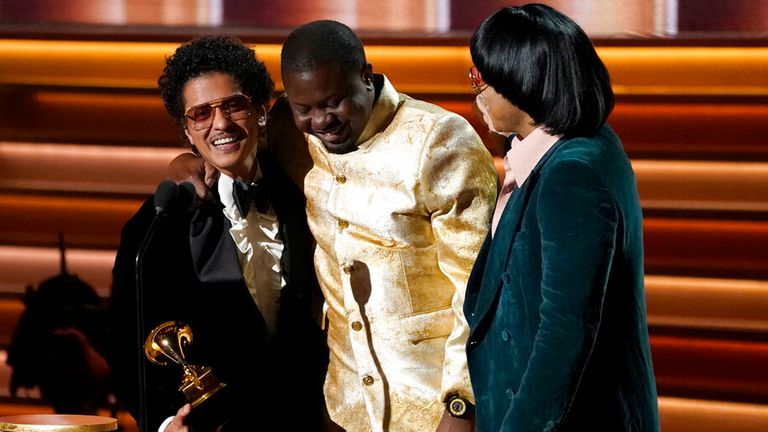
{"x": 398, "y": 224}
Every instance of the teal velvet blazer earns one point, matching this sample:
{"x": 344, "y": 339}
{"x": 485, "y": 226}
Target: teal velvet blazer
{"x": 556, "y": 305}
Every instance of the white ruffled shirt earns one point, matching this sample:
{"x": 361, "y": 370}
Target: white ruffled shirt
{"x": 255, "y": 237}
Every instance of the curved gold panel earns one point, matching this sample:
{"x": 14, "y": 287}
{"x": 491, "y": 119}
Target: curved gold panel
{"x": 709, "y": 71}
{"x": 712, "y": 304}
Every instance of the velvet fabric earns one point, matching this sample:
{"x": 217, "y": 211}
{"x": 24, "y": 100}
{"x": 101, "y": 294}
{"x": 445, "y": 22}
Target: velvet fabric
{"x": 192, "y": 274}
{"x": 556, "y": 303}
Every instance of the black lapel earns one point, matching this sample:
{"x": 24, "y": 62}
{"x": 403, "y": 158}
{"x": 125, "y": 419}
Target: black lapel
{"x": 271, "y": 172}
{"x": 214, "y": 255}
{"x": 288, "y": 203}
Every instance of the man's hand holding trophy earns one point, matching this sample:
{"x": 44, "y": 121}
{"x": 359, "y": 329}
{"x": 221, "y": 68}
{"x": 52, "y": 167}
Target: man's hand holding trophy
{"x": 166, "y": 344}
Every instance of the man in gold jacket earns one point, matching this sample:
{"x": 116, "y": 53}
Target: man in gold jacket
{"x": 399, "y": 199}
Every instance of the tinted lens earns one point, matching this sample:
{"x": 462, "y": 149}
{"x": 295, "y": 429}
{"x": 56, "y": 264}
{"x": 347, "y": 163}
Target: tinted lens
{"x": 237, "y": 107}
{"x": 472, "y": 76}
{"x": 201, "y": 113}
{"x": 478, "y": 85}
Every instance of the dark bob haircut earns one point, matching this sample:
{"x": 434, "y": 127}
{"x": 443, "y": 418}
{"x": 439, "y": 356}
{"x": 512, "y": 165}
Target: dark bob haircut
{"x": 544, "y": 63}
{"x": 209, "y": 54}
{"x": 321, "y": 43}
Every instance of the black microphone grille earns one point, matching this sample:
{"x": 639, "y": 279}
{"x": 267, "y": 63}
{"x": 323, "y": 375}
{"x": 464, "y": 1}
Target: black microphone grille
{"x": 186, "y": 196}
{"x": 165, "y": 195}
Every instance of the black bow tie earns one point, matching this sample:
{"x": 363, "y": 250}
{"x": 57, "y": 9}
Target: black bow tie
{"x": 245, "y": 194}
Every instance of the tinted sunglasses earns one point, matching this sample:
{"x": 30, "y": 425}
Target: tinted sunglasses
{"x": 235, "y": 107}
{"x": 478, "y": 85}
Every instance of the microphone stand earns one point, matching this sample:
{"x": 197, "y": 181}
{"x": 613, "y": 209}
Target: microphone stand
{"x": 142, "y": 370}
{"x": 165, "y": 195}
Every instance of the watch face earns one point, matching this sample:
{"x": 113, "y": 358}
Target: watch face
{"x": 457, "y": 407}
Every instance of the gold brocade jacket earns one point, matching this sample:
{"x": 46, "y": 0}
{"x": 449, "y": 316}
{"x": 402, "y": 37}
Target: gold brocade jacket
{"x": 398, "y": 225}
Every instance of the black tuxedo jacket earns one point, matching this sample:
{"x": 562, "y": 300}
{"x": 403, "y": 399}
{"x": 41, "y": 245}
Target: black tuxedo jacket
{"x": 191, "y": 273}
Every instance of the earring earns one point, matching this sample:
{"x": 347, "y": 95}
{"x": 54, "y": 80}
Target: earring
{"x": 262, "y": 121}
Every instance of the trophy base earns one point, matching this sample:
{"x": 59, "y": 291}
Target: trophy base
{"x": 207, "y": 395}
{"x": 199, "y": 390}
{"x": 212, "y": 411}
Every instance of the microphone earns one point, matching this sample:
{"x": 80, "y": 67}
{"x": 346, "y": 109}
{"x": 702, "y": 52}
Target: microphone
{"x": 169, "y": 198}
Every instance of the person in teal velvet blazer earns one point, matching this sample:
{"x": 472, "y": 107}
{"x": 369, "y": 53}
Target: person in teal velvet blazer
{"x": 556, "y": 303}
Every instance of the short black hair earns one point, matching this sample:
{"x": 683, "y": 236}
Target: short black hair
{"x": 321, "y": 43}
{"x": 544, "y": 63}
{"x": 209, "y": 54}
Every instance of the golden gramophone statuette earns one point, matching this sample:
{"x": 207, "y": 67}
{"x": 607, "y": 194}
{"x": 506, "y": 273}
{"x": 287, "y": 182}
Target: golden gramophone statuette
{"x": 166, "y": 344}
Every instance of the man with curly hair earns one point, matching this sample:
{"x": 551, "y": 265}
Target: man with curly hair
{"x": 237, "y": 268}
{"x": 399, "y": 198}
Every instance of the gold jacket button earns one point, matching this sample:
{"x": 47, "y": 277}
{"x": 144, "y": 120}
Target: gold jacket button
{"x": 368, "y": 380}
{"x": 347, "y": 268}
{"x": 340, "y": 179}
{"x": 357, "y": 326}
{"x": 342, "y": 224}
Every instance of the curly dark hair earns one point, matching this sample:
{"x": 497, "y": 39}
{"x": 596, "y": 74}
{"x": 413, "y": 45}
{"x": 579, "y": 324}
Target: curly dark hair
{"x": 208, "y": 54}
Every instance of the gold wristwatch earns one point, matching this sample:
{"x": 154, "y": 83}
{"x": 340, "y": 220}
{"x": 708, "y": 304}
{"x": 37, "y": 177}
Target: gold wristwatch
{"x": 458, "y": 406}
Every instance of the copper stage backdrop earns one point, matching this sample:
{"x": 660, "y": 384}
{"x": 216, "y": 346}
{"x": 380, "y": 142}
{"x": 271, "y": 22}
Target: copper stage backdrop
{"x": 84, "y": 139}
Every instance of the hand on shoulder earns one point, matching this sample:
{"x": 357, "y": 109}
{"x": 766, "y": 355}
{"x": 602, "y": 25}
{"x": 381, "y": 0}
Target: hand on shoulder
{"x": 192, "y": 168}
